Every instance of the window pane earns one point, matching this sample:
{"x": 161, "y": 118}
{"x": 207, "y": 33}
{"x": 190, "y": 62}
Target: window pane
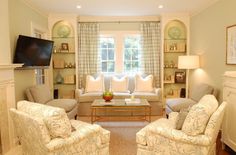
{"x": 104, "y": 54}
{"x": 107, "y": 53}
{"x": 104, "y": 66}
{"x": 131, "y": 53}
{"x": 127, "y": 66}
{"x": 111, "y": 67}
{"x": 135, "y": 66}
{"x": 103, "y": 43}
{"x": 128, "y": 53}
{"x": 111, "y": 54}
{"x": 135, "y": 54}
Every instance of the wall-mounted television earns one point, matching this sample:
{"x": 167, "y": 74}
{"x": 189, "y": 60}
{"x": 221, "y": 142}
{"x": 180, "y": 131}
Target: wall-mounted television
{"x": 33, "y": 52}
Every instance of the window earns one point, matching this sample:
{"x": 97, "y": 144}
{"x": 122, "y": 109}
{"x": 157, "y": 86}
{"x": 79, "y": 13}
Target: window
{"x": 132, "y": 53}
{"x": 40, "y": 76}
{"x": 107, "y": 50}
{"x": 120, "y": 51}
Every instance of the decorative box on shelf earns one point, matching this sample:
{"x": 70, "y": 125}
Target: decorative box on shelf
{"x": 69, "y": 79}
{"x": 175, "y": 47}
{"x": 169, "y": 79}
{"x": 173, "y": 93}
{"x": 58, "y": 63}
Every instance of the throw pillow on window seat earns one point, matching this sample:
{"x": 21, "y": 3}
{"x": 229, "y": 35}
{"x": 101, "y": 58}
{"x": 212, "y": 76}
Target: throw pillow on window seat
{"x": 94, "y": 84}
{"x": 143, "y": 84}
{"x": 119, "y": 84}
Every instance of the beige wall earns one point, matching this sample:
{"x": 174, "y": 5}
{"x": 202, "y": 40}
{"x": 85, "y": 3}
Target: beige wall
{"x": 21, "y": 16}
{"x": 208, "y": 38}
{"x": 4, "y": 31}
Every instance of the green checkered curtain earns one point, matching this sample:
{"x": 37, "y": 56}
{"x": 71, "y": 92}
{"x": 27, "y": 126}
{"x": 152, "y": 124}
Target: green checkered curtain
{"x": 88, "y": 51}
{"x": 151, "y": 50}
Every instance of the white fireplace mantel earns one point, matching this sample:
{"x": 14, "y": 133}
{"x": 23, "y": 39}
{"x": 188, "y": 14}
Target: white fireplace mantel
{"x": 7, "y": 101}
{"x": 10, "y": 66}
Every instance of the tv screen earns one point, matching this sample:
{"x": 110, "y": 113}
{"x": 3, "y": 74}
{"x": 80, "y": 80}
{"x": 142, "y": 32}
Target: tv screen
{"x": 33, "y": 52}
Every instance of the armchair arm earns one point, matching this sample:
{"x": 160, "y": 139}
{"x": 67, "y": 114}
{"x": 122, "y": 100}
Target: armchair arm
{"x": 173, "y": 118}
{"x": 179, "y": 136}
{"x": 78, "y": 93}
{"x": 158, "y": 93}
{"x": 82, "y": 131}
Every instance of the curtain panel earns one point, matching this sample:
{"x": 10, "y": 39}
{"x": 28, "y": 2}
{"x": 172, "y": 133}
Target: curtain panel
{"x": 88, "y": 51}
{"x": 151, "y": 50}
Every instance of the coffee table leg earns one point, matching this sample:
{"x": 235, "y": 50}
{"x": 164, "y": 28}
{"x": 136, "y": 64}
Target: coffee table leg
{"x": 150, "y": 111}
{"x": 92, "y": 115}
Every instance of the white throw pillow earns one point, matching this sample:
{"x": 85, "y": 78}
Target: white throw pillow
{"x": 94, "y": 84}
{"x": 143, "y": 84}
{"x": 119, "y": 84}
{"x": 199, "y": 115}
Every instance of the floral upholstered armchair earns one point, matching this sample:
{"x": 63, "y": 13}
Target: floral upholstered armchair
{"x": 197, "y": 137}
{"x": 45, "y": 130}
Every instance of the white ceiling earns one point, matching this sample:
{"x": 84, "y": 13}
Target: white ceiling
{"x": 120, "y": 7}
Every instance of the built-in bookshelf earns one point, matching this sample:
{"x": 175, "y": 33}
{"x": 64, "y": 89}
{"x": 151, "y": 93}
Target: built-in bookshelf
{"x": 64, "y": 67}
{"x": 175, "y": 44}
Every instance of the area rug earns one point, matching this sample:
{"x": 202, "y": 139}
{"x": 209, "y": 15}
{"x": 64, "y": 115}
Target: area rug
{"x": 123, "y": 135}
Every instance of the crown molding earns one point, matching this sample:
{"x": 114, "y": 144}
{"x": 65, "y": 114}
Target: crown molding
{"x": 117, "y": 18}
{"x": 33, "y": 7}
{"x": 201, "y": 9}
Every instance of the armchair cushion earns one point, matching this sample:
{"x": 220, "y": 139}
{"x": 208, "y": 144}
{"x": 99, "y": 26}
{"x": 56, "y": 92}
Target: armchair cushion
{"x": 198, "y": 116}
{"x": 179, "y": 103}
{"x": 67, "y": 104}
{"x": 41, "y": 94}
{"x": 55, "y": 119}
{"x": 200, "y": 90}
{"x": 150, "y": 96}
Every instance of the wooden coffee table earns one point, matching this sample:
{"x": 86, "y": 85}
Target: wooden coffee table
{"x": 120, "y": 105}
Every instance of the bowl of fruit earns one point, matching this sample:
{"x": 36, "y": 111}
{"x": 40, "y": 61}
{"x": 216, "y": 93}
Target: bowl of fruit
{"x": 107, "y": 96}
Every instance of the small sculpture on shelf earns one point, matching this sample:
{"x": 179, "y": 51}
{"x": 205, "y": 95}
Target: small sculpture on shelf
{"x": 166, "y": 65}
{"x": 59, "y": 79}
{"x": 66, "y": 65}
{"x": 172, "y": 64}
{"x": 54, "y": 49}
{"x": 70, "y": 65}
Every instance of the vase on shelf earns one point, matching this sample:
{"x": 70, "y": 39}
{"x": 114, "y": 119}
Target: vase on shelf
{"x": 59, "y": 78}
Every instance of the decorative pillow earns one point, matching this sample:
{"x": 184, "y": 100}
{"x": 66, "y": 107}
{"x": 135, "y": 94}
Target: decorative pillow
{"x": 54, "y": 118}
{"x": 58, "y": 125}
{"x": 94, "y": 84}
{"x": 41, "y": 94}
{"x": 182, "y": 116}
{"x": 198, "y": 116}
{"x": 143, "y": 84}
{"x": 119, "y": 84}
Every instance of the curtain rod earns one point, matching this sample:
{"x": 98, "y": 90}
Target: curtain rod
{"x": 118, "y": 22}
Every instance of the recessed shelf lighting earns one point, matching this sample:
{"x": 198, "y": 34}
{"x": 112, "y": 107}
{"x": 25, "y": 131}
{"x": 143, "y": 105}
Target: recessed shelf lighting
{"x": 78, "y": 6}
{"x": 160, "y": 6}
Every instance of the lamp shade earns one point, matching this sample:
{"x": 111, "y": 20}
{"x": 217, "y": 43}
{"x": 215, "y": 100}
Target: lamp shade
{"x": 188, "y": 62}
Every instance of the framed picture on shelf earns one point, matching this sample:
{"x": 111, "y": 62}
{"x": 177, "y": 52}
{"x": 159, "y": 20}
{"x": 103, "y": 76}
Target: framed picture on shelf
{"x": 231, "y": 45}
{"x": 180, "y": 77}
{"x": 64, "y": 47}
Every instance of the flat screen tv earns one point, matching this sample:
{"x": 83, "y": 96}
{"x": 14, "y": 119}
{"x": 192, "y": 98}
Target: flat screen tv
{"x": 33, "y": 52}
